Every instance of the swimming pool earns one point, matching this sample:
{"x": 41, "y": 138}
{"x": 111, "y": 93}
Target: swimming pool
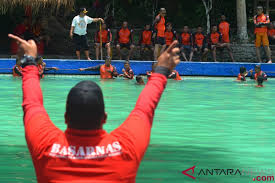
{"x": 210, "y": 123}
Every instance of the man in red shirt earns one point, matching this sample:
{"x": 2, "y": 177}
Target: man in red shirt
{"x": 106, "y": 40}
{"x": 170, "y": 34}
{"x": 261, "y": 22}
{"x": 145, "y": 40}
{"x": 200, "y": 43}
{"x": 159, "y": 32}
{"x": 85, "y": 152}
{"x": 124, "y": 39}
{"x": 215, "y": 41}
{"x": 271, "y": 34}
{"x": 186, "y": 41}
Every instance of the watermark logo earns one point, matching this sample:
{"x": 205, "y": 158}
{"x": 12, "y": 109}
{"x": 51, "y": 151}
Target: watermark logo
{"x": 193, "y": 170}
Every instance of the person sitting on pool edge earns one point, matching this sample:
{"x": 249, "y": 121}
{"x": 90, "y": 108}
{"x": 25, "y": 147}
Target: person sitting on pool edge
{"x": 258, "y": 72}
{"x": 260, "y": 81}
{"x": 107, "y": 71}
{"x": 149, "y": 73}
{"x": 85, "y": 152}
{"x": 127, "y": 71}
{"x": 17, "y": 69}
{"x": 175, "y": 75}
{"x": 139, "y": 80}
{"x": 42, "y": 67}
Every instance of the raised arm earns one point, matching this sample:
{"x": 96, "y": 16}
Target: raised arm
{"x": 136, "y": 130}
{"x": 95, "y": 68}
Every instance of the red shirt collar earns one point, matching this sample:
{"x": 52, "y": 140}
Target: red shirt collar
{"x": 75, "y": 132}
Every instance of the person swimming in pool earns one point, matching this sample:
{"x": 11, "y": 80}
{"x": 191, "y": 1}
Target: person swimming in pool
{"x": 85, "y": 152}
{"x": 175, "y": 75}
{"x": 127, "y": 71}
{"x": 17, "y": 69}
{"x": 258, "y": 72}
{"x": 107, "y": 71}
{"x": 42, "y": 67}
{"x": 243, "y": 73}
{"x": 140, "y": 80}
{"x": 260, "y": 81}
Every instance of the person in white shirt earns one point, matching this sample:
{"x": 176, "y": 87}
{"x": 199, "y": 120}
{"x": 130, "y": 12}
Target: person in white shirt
{"x": 79, "y": 31}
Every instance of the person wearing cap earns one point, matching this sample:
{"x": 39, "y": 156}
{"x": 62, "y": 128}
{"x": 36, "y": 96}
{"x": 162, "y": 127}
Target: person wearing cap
{"x": 78, "y": 31}
{"x": 159, "y": 32}
{"x": 261, "y": 22}
{"x": 85, "y": 152}
{"x": 107, "y": 71}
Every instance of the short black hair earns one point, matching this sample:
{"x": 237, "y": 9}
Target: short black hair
{"x": 242, "y": 70}
{"x": 85, "y": 107}
{"x": 169, "y": 23}
{"x": 82, "y": 9}
{"x": 138, "y": 78}
{"x": 260, "y": 7}
{"x": 260, "y": 80}
{"x": 258, "y": 67}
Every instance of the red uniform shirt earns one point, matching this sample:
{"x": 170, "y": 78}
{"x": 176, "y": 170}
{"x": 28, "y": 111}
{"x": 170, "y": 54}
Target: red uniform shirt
{"x": 124, "y": 36}
{"x": 106, "y": 36}
{"x": 169, "y": 37}
{"x": 146, "y": 37}
{"x": 87, "y": 155}
{"x": 261, "y": 19}
{"x": 215, "y": 38}
{"x": 186, "y": 38}
{"x": 224, "y": 30}
{"x": 199, "y": 39}
{"x": 271, "y": 32}
{"x": 160, "y": 26}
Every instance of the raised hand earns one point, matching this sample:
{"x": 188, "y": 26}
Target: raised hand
{"x": 170, "y": 58}
{"x": 26, "y": 47}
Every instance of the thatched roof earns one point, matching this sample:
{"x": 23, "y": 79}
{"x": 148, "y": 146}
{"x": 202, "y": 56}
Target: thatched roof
{"x": 6, "y": 5}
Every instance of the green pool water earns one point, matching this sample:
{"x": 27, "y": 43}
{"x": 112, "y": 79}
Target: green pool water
{"x": 210, "y": 123}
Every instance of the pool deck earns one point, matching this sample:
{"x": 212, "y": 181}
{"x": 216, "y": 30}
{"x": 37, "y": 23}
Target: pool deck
{"x": 69, "y": 67}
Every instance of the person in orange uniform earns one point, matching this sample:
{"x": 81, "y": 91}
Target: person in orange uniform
{"x": 271, "y": 34}
{"x": 175, "y": 75}
{"x": 170, "y": 35}
{"x": 127, "y": 71}
{"x": 224, "y": 28}
{"x": 17, "y": 69}
{"x": 261, "y": 22}
{"x": 145, "y": 40}
{"x": 186, "y": 41}
{"x": 85, "y": 152}
{"x": 107, "y": 71}
{"x": 243, "y": 73}
{"x": 200, "y": 43}
{"x": 159, "y": 32}
{"x": 124, "y": 39}
{"x": 106, "y": 40}
{"x": 215, "y": 41}
{"x": 258, "y": 72}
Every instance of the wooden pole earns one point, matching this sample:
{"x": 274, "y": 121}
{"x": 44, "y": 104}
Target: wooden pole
{"x": 101, "y": 49}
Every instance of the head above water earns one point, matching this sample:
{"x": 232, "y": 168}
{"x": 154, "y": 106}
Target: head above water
{"x": 162, "y": 12}
{"x": 260, "y": 10}
{"x": 127, "y": 65}
{"x": 214, "y": 28}
{"x": 82, "y": 12}
{"x": 258, "y": 68}
{"x": 108, "y": 61}
{"x": 242, "y": 70}
{"x": 85, "y": 108}
{"x": 139, "y": 79}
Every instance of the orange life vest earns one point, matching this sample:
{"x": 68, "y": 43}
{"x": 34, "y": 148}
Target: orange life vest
{"x": 261, "y": 19}
{"x": 178, "y": 78}
{"x": 124, "y": 36}
{"x": 186, "y": 38}
{"x": 271, "y": 32}
{"x": 161, "y": 27}
{"x": 240, "y": 78}
{"x": 104, "y": 74}
{"x": 19, "y": 69}
{"x": 199, "y": 39}
{"x": 146, "y": 37}
{"x": 104, "y": 36}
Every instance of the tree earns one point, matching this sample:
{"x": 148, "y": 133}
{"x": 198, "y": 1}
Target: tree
{"x": 208, "y": 7}
{"x": 242, "y": 21}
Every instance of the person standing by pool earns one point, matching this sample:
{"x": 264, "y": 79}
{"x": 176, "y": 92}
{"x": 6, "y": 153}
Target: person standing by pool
{"x": 107, "y": 71}
{"x": 261, "y": 22}
{"x": 224, "y": 28}
{"x": 78, "y": 32}
{"x": 159, "y": 33}
{"x": 127, "y": 71}
{"x": 85, "y": 152}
